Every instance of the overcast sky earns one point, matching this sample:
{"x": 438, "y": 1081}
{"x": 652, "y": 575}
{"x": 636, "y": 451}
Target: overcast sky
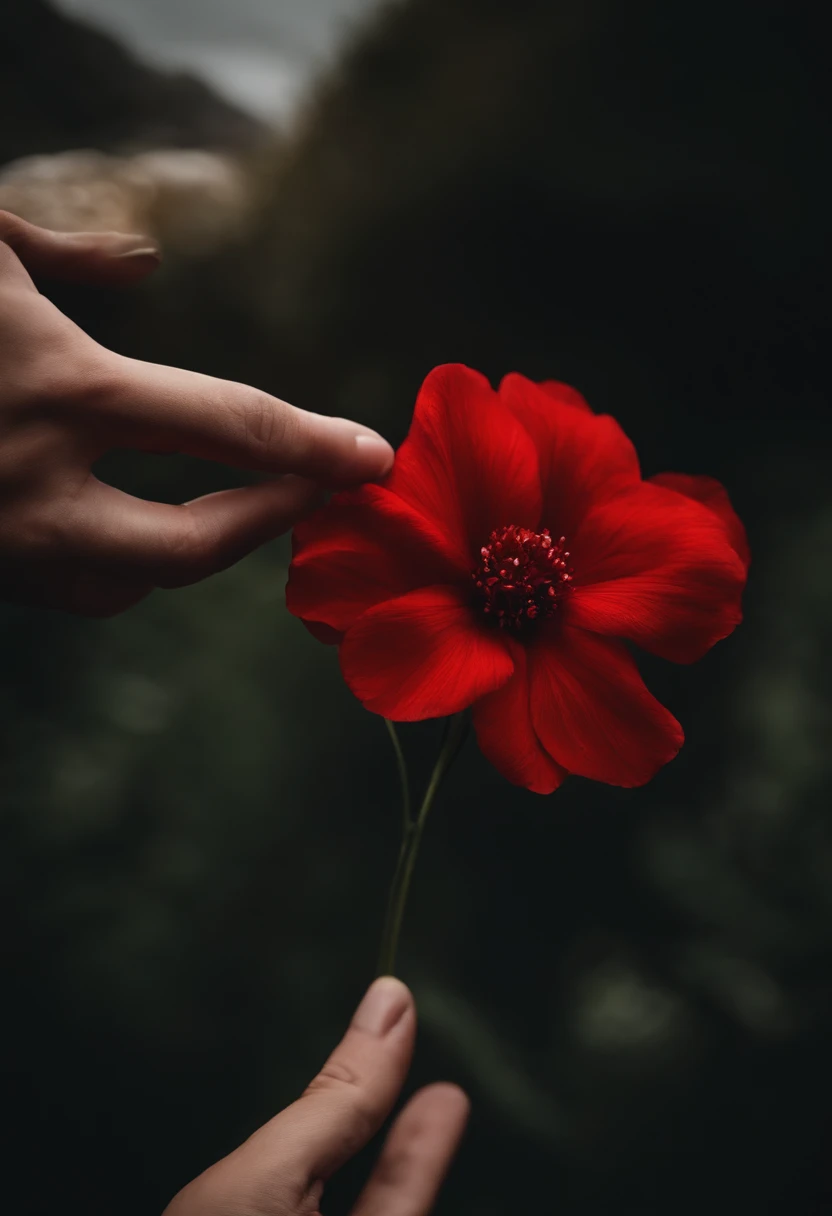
{"x": 260, "y": 53}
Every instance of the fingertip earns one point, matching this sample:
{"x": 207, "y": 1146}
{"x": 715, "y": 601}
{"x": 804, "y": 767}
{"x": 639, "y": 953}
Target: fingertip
{"x": 376, "y": 453}
{"x": 389, "y": 978}
{"x": 289, "y": 493}
{"x": 344, "y": 453}
{"x": 448, "y": 1092}
{"x": 443, "y": 1099}
{"x": 306, "y": 495}
{"x": 126, "y": 268}
{"x": 117, "y": 260}
{"x": 383, "y": 1007}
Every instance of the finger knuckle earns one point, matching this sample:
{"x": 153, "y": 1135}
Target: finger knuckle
{"x": 340, "y": 1080}
{"x": 17, "y": 293}
{"x": 12, "y": 271}
{"x": 335, "y": 1074}
{"x": 8, "y": 224}
{"x": 8, "y": 258}
{"x": 87, "y": 381}
{"x": 266, "y": 425}
{"x": 56, "y": 370}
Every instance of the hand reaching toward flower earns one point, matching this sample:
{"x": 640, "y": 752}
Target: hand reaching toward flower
{"x": 281, "y": 1170}
{"x": 69, "y": 541}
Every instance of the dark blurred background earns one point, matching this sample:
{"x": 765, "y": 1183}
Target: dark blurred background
{"x": 199, "y": 823}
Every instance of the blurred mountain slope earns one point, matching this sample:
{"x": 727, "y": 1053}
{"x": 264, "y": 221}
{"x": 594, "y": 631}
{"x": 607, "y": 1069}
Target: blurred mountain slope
{"x": 65, "y": 85}
{"x": 563, "y": 187}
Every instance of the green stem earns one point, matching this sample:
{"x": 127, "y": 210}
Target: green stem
{"x": 402, "y": 766}
{"x": 456, "y": 728}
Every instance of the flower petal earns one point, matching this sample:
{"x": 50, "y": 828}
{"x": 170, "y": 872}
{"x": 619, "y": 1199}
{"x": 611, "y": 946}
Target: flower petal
{"x": 592, "y": 711}
{"x": 584, "y": 457}
{"x": 565, "y": 394}
{"x": 712, "y": 494}
{"x": 363, "y": 548}
{"x": 324, "y": 633}
{"x": 423, "y": 655}
{"x": 503, "y": 725}
{"x": 467, "y": 465}
{"x": 658, "y": 569}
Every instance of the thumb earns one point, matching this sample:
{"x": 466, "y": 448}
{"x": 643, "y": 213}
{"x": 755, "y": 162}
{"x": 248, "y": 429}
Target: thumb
{"x": 281, "y": 1169}
{"x": 352, "y": 1095}
{"x": 105, "y": 259}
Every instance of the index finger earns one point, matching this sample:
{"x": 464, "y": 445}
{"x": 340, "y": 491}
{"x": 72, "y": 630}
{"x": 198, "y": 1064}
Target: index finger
{"x": 147, "y": 405}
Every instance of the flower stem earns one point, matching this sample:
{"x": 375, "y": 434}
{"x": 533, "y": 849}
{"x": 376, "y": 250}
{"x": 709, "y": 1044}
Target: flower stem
{"x": 456, "y": 728}
{"x": 402, "y": 766}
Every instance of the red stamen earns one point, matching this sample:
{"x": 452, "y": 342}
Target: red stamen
{"x": 523, "y": 576}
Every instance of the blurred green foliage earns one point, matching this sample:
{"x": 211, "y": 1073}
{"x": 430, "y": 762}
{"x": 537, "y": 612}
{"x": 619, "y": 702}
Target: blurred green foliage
{"x": 199, "y": 822}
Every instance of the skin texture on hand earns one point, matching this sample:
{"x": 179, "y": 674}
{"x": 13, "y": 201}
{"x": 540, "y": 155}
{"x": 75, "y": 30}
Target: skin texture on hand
{"x": 281, "y": 1170}
{"x": 67, "y": 540}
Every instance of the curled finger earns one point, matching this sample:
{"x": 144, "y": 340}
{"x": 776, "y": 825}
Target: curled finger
{"x": 417, "y": 1154}
{"x": 174, "y": 546}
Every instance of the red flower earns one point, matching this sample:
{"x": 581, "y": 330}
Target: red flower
{"x": 510, "y": 548}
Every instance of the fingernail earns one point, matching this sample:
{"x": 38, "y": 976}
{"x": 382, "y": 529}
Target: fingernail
{"x": 384, "y": 1004}
{"x": 378, "y": 449}
{"x": 147, "y": 252}
{"x": 116, "y": 244}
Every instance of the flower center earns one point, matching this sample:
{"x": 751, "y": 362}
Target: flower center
{"x": 522, "y": 577}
